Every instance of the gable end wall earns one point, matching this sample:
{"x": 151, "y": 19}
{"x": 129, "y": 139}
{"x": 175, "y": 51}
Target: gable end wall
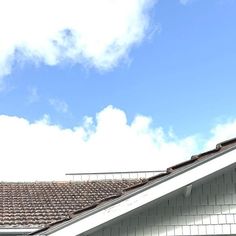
{"x": 209, "y": 210}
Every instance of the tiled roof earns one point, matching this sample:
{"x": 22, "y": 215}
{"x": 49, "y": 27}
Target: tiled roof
{"x": 34, "y": 205}
{"x": 44, "y": 204}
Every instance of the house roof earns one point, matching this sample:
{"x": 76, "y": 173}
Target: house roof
{"x": 141, "y": 186}
{"x": 49, "y": 204}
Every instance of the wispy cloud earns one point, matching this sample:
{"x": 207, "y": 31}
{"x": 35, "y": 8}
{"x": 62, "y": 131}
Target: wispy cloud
{"x": 59, "y": 105}
{"x": 2, "y": 86}
{"x": 103, "y": 143}
{"x": 184, "y": 2}
{"x": 33, "y": 95}
{"x": 94, "y": 33}
{"x": 156, "y": 29}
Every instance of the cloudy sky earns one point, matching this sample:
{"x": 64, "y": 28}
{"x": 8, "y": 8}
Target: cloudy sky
{"x": 113, "y": 85}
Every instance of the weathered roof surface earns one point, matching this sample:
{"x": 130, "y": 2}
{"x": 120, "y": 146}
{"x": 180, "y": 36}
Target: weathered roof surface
{"x": 34, "y": 205}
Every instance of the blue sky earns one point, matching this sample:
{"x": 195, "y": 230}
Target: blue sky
{"x": 175, "y": 66}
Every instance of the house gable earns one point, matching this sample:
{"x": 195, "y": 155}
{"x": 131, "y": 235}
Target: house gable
{"x": 210, "y": 209}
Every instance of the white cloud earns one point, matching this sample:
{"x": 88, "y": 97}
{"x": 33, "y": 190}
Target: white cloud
{"x": 95, "y": 33}
{"x": 39, "y": 150}
{"x": 221, "y": 132}
{"x": 59, "y": 105}
{"x": 42, "y": 151}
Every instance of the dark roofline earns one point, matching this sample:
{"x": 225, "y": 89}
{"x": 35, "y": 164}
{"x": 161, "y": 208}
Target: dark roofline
{"x": 221, "y": 148}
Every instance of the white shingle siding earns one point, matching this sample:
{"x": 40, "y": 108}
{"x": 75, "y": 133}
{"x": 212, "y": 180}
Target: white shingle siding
{"x": 209, "y": 210}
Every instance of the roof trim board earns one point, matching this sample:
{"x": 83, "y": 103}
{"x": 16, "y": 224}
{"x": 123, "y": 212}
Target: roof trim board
{"x": 187, "y": 174}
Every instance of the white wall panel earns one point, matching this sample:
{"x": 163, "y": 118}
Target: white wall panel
{"x": 209, "y": 210}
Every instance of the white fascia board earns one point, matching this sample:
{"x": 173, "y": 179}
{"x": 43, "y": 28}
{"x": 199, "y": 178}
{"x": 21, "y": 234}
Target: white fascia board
{"x": 184, "y": 178}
